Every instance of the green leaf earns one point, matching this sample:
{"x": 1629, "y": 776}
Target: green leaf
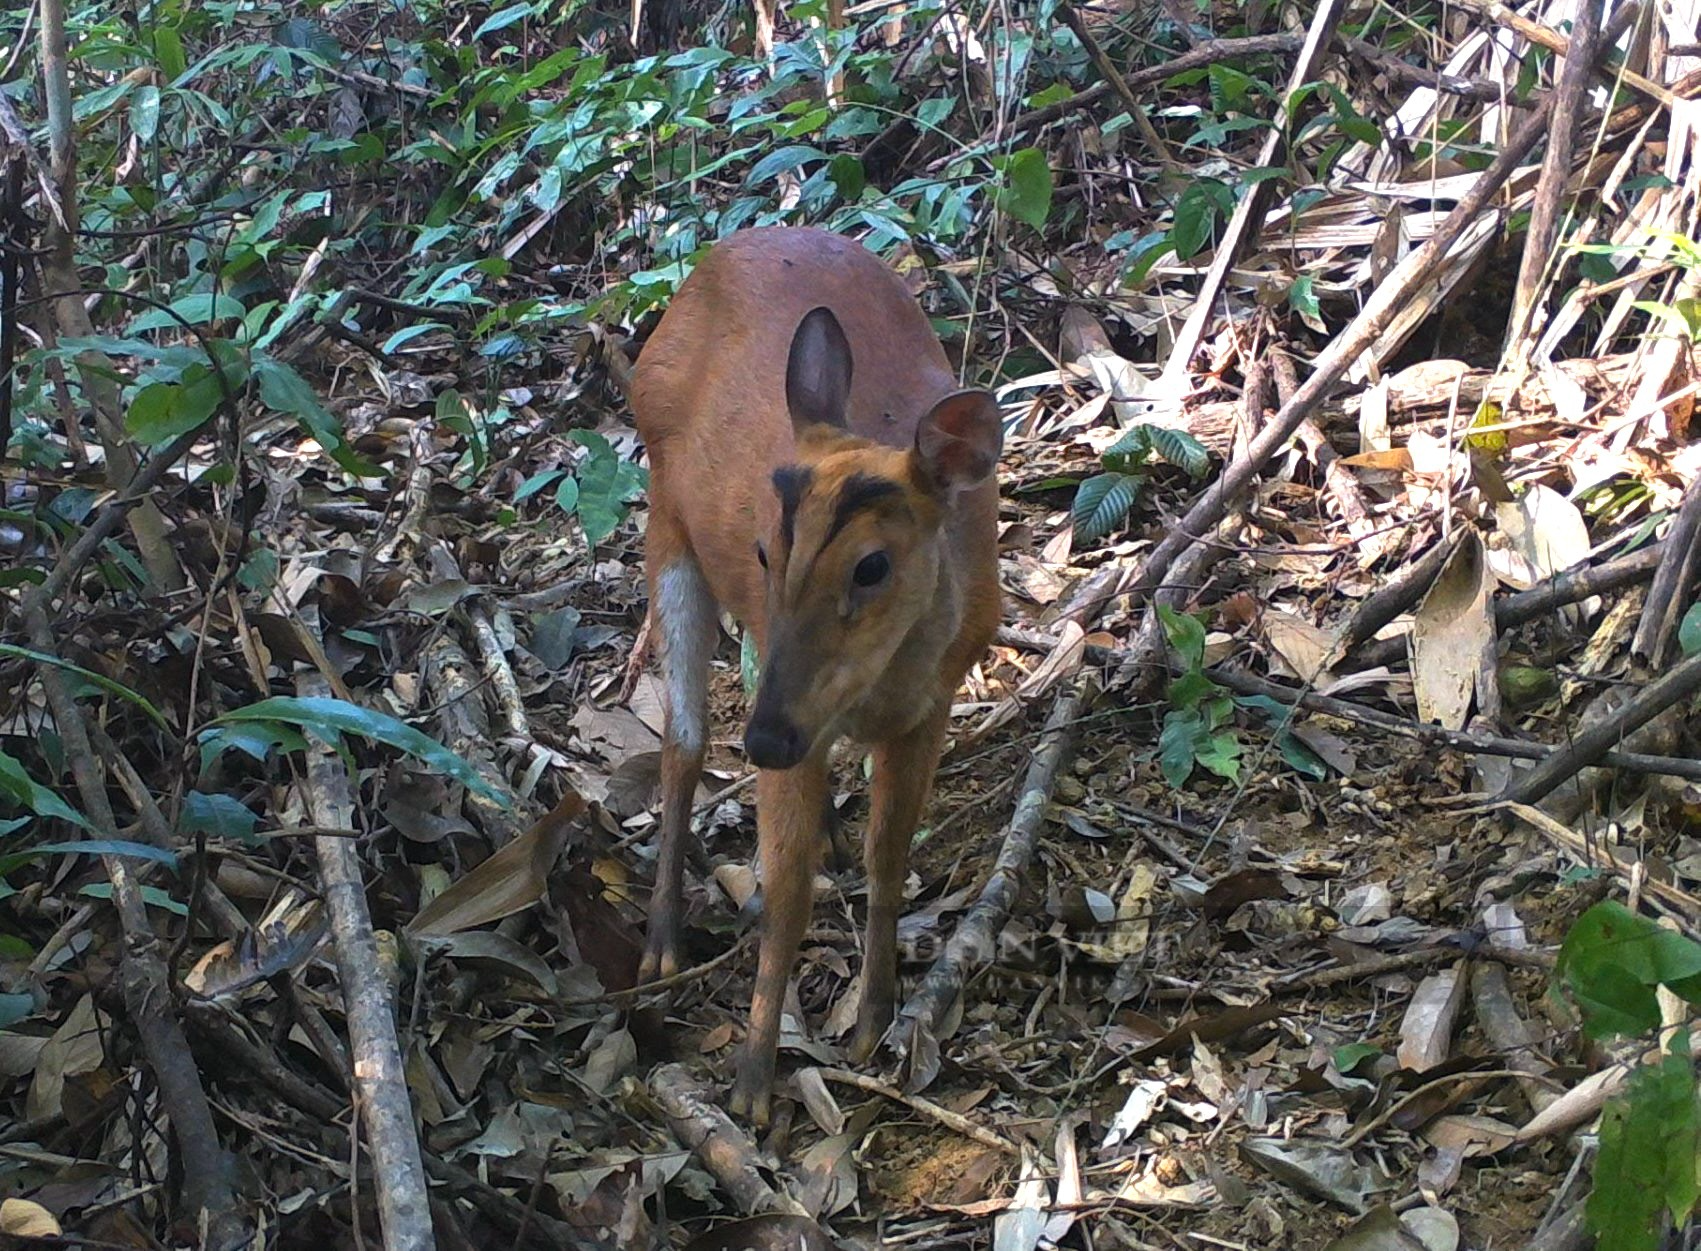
{"x": 332, "y": 717}
{"x": 89, "y": 675}
{"x": 1300, "y": 757}
{"x": 15, "y": 1008}
{"x": 1026, "y": 194}
{"x": 168, "y": 51}
{"x": 1349, "y": 1057}
{"x": 197, "y": 309}
{"x": 502, "y": 19}
{"x": 1689, "y": 630}
{"x": 1176, "y": 746}
{"x": 1220, "y": 753}
{"x": 1101, "y": 503}
{"x": 567, "y": 496}
{"x": 1611, "y": 961}
{"x": 1645, "y": 1172}
{"x": 1302, "y": 297}
{"x": 254, "y": 741}
{"x": 1195, "y": 218}
{"x": 847, "y": 175}
{"x": 163, "y": 411}
{"x": 604, "y": 484}
{"x": 532, "y": 485}
{"x": 780, "y": 161}
{"x": 286, "y": 391}
{"x": 106, "y": 847}
{"x": 151, "y": 895}
{"x": 1181, "y": 450}
{"x": 1186, "y": 633}
{"x": 16, "y": 782}
{"x": 222, "y": 816}
{"x": 144, "y": 113}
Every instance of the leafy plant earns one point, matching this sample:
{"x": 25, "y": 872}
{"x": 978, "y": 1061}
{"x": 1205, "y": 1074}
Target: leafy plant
{"x": 1102, "y": 501}
{"x": 270, "y": 723}
{"x": 599, "y": 491}
{"x": 1612, "y": 962}
{"x": 1196, "y": 731}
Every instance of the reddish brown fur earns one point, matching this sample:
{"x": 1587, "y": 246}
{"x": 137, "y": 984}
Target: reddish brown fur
{"x": 879, "y": 665}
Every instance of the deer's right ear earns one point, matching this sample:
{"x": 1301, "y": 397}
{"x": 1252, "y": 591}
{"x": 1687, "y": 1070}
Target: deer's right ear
{"x": 818, "y": 371}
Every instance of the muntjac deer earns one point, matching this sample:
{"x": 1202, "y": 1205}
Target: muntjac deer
{"x": 815, "y": 470}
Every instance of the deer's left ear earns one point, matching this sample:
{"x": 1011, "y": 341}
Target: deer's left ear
{"x": 957, "y": 443}
{"x": 818, "y": 372}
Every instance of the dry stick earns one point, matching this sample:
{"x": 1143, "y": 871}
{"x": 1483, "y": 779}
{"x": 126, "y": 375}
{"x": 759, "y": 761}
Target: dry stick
{"x": 1248, "y": 216}
{"x": 1338, "y": 480}
{"x": 207, "y": 1170}
{"x": 404, "y": 1211}
{"x": 1557, "y": 43}
{"x": 1575, "y": 77}
{"x": 974, "y": 942}
{"x": 1108, "y": 71}
{"x": 1459, "y": 740}
{"x": 954, "y": 1121}
{"x": 1579, "y": 583}
{"x": 1149, "y": 654}
{"x": 1592, "y": 745}
{"x": 1378, "y": 313}
{"x": 1345, "y": 710}
{"x": 263, "y": 1066}
{"x": 1195, "y": 58}
{"x": 1669, "y": 592}
{"x": 1399, "y": 592}
{"x": 721, "y": 1145}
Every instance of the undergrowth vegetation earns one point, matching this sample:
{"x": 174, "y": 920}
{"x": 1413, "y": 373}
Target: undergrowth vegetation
{"x": 240, "y": 222}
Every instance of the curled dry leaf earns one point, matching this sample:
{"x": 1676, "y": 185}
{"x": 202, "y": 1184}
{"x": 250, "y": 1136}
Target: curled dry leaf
{"x": 1548, "y": 532}
{"x": 1453, "y": 639}
{"x": 1305, "y": 650}
{"x": 21, "y": 1218}
{"x": 75, "y": 1048}
{"x": 1426, "y": 1031}
{"x": 511, "y": 880}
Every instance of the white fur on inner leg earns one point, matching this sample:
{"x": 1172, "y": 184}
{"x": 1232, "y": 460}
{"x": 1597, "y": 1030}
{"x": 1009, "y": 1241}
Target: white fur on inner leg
{"x": 685, "y": 616}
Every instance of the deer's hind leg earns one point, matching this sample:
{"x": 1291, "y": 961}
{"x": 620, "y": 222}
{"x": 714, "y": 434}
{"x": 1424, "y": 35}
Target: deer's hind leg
{"x": 683, "y": 614}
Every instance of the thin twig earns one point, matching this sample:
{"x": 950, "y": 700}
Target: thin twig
{"x": 954, "y": 1121}
{"x": 974, "y": 942}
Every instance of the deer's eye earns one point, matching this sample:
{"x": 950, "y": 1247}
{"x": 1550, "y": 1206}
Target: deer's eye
{"x": 762, "y": 555}
{"x": 872, "y": 570}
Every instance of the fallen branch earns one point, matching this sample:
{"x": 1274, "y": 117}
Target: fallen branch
{"x": 208, "y": 1187}
{"x": 974, "y": 943}
{"x": 1668, "y": 594}
{"x": 1345, "y": 710}
{"x": 721, "y": 1145}
{"x": 1417, "y": 269}
{"x": 1399, "y": 592}
{"x": 954, "y": 1121}
{"x": 1148, "y": 657}
{"x": 1112, "y": 76}
{"x": 1542, "y": 233}
{"x": 1592, "y": 746}
{"x": 1578, "y": 583}
{"x": 404, "y": 1209}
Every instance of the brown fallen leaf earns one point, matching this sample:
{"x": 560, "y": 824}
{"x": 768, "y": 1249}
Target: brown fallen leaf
{"x": 513, "y": 879}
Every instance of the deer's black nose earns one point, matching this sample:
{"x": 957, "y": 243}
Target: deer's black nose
{"x": 774, "y": 743}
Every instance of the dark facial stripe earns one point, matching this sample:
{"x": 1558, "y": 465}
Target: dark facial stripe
{"x": 859, "y": 492}
{"x": 792, "y": 482}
